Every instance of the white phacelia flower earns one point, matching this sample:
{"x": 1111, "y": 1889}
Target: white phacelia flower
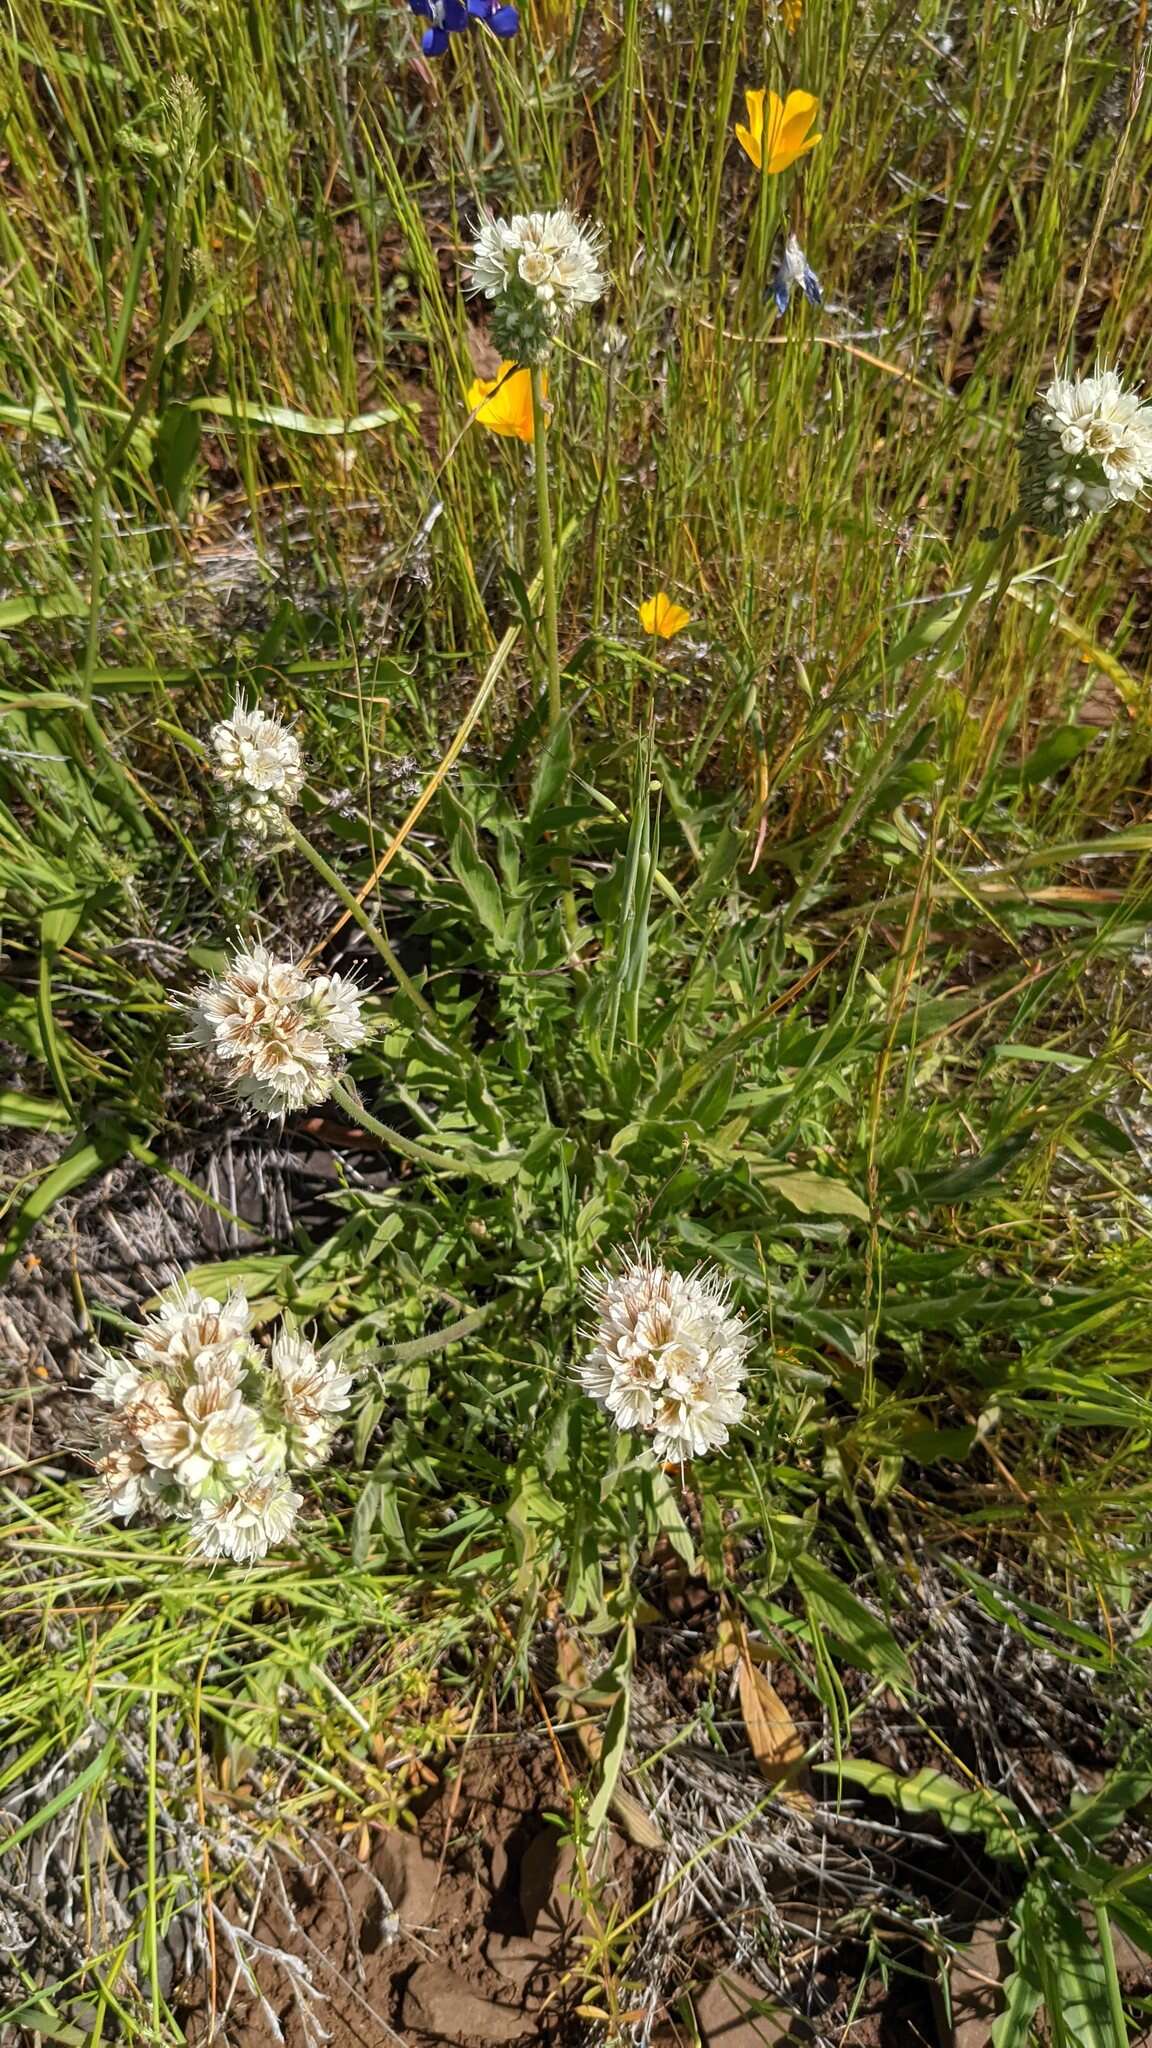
{"x": 246, "y": 1525}
{"x": 667, "y": 1354}
{"x": 313, "y": 1396}
{"x": 208, "y": 1433}
{"x": 279, "y": 1034}
{"x": 115, "y": 1380}
{"x": 190, "y": 1328}
{"x": 121, "y": 1487}
{"x": 537, "y": 269}
{"x": 206, "y": 1428}
{"x": 259, "y": 761}
{"x": 1087, "y": 445}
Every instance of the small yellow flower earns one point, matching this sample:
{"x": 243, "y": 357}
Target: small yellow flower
{"x": 660, "y": 616}
{"x": 791, "y": 11}
{"x": 503, "y": 404}
{"x": 777, "y": 142}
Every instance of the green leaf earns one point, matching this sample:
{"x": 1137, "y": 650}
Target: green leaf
{"x": 1059, "y": 747}
{"x": 614, "y": 1736}
{"x": 552, "y": 771}
{"x": 82, "y": 1159}
{"x": 813, "y": 1194}
{"x": 863, "y": 1639}
{"x": 472, "y": 870}
{"x": 667, "y": 1519}
{"x": 251, "y": 413}
{"x": 378, "y": 1509}
{"x": 957, "y": 1183}
{"x": 63, "y": 604}
{"x": 176, "y": 452}
{"x": 74, "y": 1789}
{"x": 257, "y": 1274}
{"x": 965, "y": 1809}
{"x": 31, "y": 1112}
{"x": 1094, "y": 1818}
{"x": 1074, "y": 1974}
{"x": 57, "y": 925}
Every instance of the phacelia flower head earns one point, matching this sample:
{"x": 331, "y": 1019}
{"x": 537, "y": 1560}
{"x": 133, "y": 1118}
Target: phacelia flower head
{"x": 260, "y": 764}
{"x": 794, "y": 272}
{"x": 1087, "y": 444}
{"x": 667, "y": 1354}
{"x": 278, "y": 1034}
{"x": 451, "y": 17}
{"x": 311, "y": 1397}
{"x": 208, "y": 1434}
{"x": 537, "y": 269}
{"x": 247, "y": 1525}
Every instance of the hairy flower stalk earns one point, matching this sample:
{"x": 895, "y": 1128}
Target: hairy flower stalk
{"x": 202, "y": 1426}
{"x": 667, "y": 1354}
{"x": 1086, "y": 445}
{"x": 537, "y": 269}
{"x": 261, "y": 767}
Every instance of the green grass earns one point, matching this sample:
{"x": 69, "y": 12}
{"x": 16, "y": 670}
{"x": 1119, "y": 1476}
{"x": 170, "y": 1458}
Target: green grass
{"x": 860, "y": 1007}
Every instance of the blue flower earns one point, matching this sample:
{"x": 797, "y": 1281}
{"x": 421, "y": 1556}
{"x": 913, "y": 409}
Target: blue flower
{"x": 794, "y": 271}
{"x": 451, "y": 17}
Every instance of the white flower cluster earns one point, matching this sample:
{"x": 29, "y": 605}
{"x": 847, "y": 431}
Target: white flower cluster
{"x": 1087, "y": 445}
{"x": 204, "y": 1427}
{"x": 260, "y": 763}
{"x": 537, "y": 268}
{"x": 279, "y": 1033}
{"x": 667, "y": 1356}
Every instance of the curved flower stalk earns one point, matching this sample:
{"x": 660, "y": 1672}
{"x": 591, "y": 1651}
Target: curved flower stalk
{"x": 667, "y": 1354}
{"x": 203, "y": 1427}
{"x": 1086, "y": 445}
{"x": 536, "y": 270}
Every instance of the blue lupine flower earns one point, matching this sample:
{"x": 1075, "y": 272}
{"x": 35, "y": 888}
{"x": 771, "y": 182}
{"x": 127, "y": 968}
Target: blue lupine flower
{"x": 451, "y": 17}
{"x": 794, "y": 270}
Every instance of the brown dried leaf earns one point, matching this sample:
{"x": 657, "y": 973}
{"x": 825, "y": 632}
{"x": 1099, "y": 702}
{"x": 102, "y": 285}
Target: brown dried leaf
{"x": 773, "y": 1737}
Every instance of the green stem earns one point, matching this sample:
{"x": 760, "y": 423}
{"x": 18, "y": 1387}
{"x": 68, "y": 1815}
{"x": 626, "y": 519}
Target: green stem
{"x": 1111, "y": 1974}
{"x": 421, "y": 1155}
{"x": 103, "y": 474}
{"x": 551, "y": 631}
{"x": 546, "y": 546}
{"x": 939, "y": 635}
{"x": 371, "y": 931}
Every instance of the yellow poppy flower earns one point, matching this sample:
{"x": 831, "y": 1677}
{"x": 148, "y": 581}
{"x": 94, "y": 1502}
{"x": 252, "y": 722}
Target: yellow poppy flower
{"x": 777, "y": 142}
{"x": 503, "y": 404}
{"x": 660, "y": 616}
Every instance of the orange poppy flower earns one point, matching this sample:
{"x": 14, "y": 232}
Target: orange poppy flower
{"x": 775, "y": 143}
{"x": 503, "y": 404}
{"x": 660, "y": 616}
